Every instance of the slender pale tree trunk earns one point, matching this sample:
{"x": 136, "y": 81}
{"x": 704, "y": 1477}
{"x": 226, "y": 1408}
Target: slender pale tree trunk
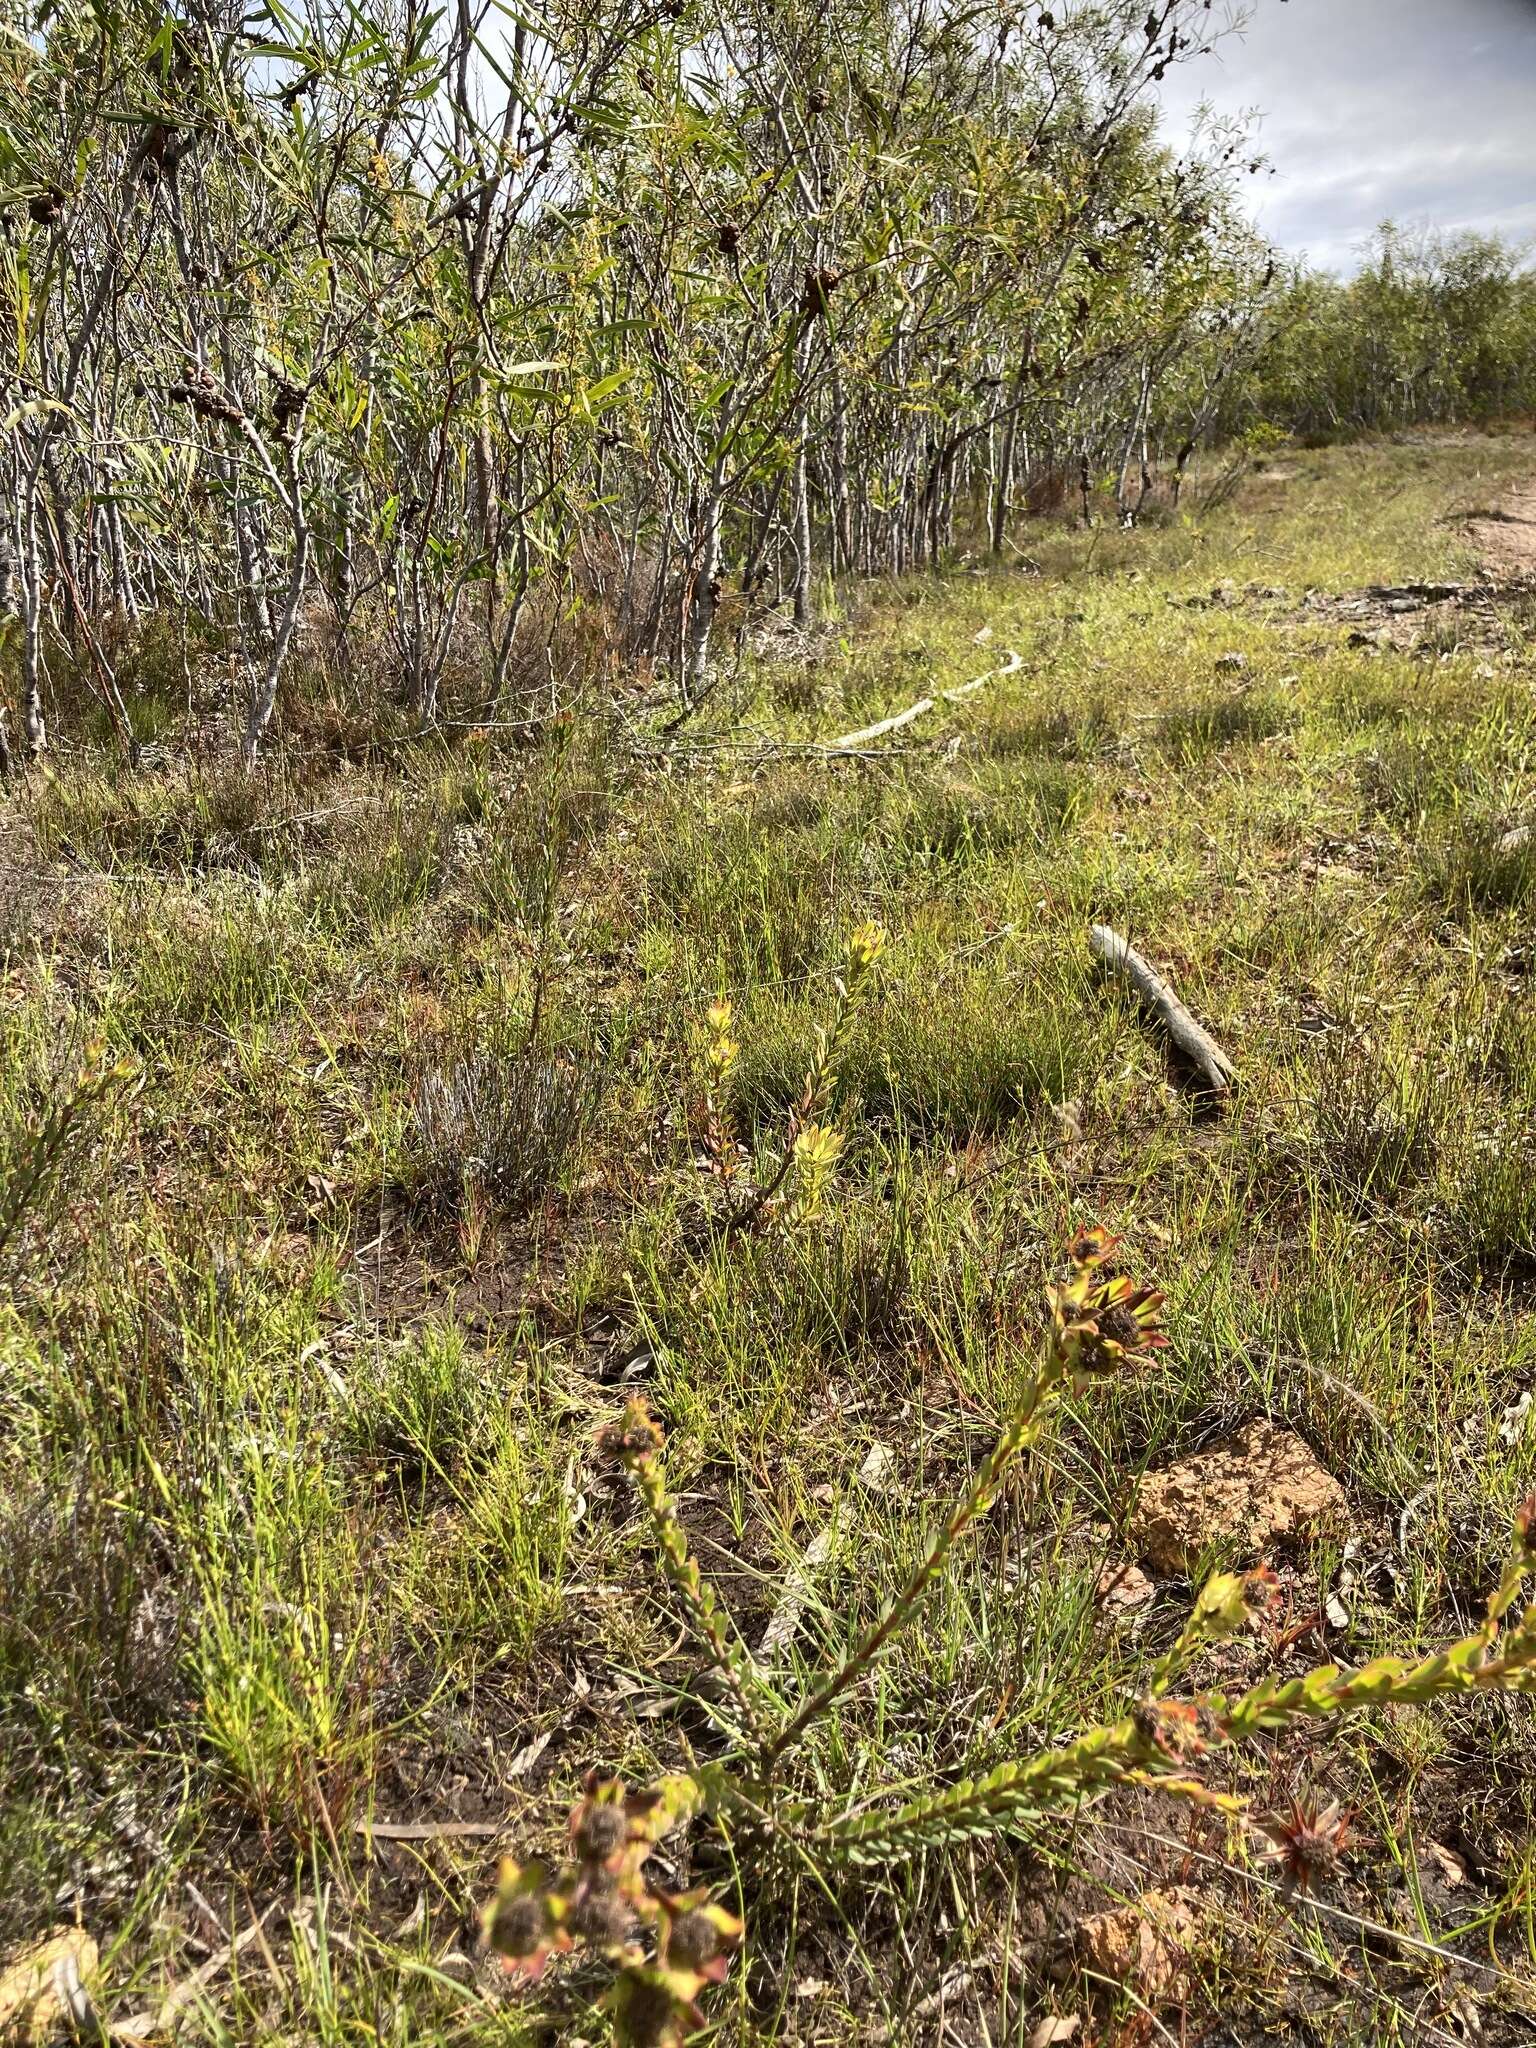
{"x": 706, "y": 591}
{"x": 1122, "y": 493}
{"x": 802, "y": 525}
{"x": 264, "y": 695}
{"x": 842, "y": 529}
{"x": 123, "y": 593}
{"x": 31, "y": 577}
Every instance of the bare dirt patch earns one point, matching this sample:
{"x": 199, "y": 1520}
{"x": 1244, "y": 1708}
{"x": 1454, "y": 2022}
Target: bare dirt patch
{"x": 1259, "y": 1487}
{"x": 1420, "y": 618}
{"x": 1506, "y": 533}
{"x": 1145, "y": 1947}
{"x": 1405, "y": 618}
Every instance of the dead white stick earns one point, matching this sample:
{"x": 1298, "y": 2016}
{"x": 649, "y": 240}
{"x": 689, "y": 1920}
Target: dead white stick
{"x": 1012, "y": 662}
{"x": 1192, "y": 1039}
{"x": 852, "y": 741}
{"x": 428, "y": 1830}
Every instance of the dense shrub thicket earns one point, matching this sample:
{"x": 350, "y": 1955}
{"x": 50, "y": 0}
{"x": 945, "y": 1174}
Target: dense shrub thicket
{"x": 449, "y": 350}
{"x": 1432, "y": 330}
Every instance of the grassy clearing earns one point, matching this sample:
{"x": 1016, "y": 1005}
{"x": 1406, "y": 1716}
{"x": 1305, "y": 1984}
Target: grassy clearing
{"x": 308, "y": 1338}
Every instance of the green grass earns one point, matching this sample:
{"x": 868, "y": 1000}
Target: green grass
{"x": 301, "y": 1369}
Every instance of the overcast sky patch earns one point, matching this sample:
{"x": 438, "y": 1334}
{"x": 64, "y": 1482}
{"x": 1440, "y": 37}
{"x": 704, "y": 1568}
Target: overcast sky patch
{"x": 1423, "y": 111}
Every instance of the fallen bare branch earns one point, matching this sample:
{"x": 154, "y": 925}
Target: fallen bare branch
{"x": 866, "y": 733}
{"x": 851, "y": 742}
{"x": 1192, "y": 1040}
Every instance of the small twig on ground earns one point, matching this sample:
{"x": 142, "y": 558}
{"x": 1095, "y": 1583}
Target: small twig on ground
{"x": 428, "y": 1830}
{"x": 143, "y": 2025}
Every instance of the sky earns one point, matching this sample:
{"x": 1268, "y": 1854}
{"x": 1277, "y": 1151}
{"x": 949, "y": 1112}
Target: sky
{"x": 1423, "y": 111}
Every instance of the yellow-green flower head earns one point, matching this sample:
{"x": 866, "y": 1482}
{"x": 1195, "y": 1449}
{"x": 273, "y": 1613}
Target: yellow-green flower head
{"x": 818, "y": 1148}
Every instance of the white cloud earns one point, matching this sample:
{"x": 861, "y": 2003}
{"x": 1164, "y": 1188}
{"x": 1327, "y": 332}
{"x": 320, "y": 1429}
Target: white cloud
{"x": 1422, "y": 110}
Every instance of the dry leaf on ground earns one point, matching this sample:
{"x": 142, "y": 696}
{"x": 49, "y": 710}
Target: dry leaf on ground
{"x": 1123, "y": 1588}
{"x": 876, "y": 1470}
{"x": 1451, "y": 1866}
{"x": 43, "y": 1990}
{"x": 1259, "y": 1487}
{"x": 785, "y": 1618}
